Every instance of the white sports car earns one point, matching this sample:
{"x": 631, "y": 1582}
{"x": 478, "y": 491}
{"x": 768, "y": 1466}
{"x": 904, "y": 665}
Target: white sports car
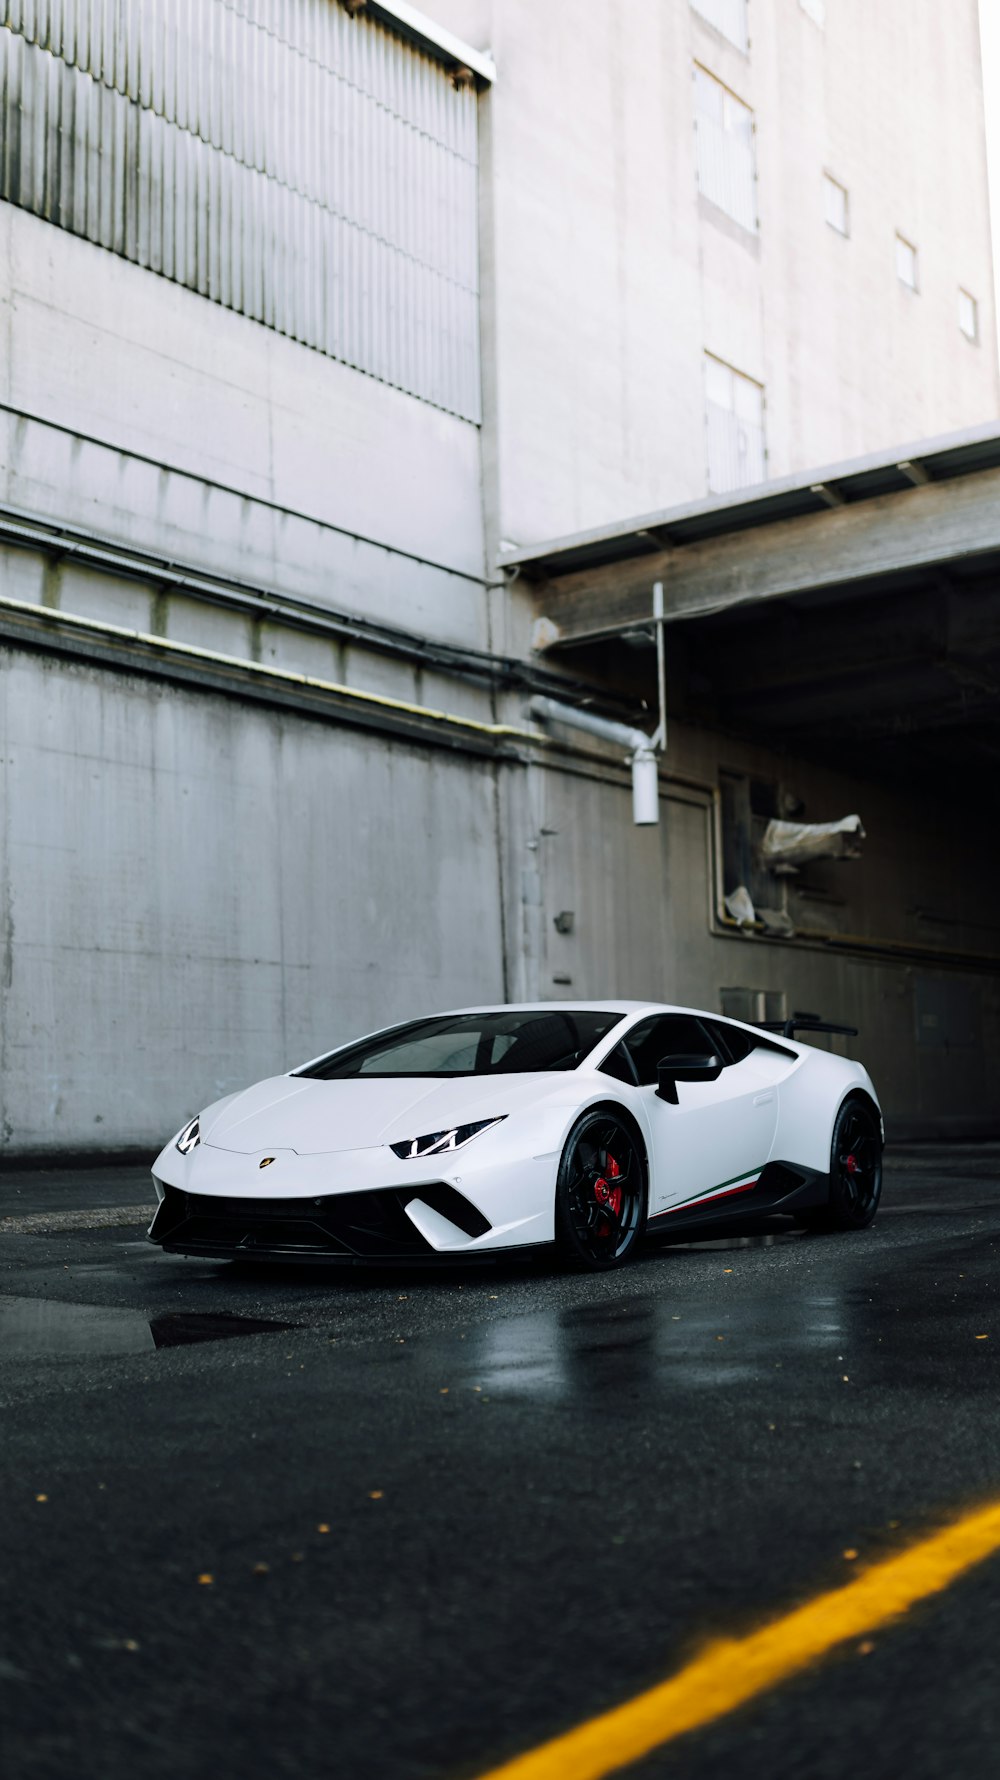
{"x": 583, "y": 1124}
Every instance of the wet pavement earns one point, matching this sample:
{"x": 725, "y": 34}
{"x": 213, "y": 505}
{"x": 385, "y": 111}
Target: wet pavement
{"x": 278, "y": 1521}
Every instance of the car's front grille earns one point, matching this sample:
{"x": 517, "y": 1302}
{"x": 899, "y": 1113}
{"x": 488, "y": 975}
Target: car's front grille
{"x": 361, "y": 1225}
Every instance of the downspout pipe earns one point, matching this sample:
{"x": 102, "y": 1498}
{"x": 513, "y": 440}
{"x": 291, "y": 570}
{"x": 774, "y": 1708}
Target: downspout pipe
{"x": 641, "y": 750}
{"x": 549, "y": 710}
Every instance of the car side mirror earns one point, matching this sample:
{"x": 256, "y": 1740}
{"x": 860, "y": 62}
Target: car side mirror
{"x": 685, "y": 1067}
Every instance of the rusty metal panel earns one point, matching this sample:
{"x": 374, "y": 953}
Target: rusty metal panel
{"x": 310, "y": 170}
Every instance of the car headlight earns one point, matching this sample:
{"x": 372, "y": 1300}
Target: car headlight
{"x": 190, "y": 1136}
{"x": 439, "y": 1143}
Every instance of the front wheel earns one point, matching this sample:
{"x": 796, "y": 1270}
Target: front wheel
{"x": 855, "y": 1169}
{"x": 601, "y": 1194}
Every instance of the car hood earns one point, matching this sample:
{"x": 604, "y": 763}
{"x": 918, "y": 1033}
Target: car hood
{"x": 314, "y": 1117}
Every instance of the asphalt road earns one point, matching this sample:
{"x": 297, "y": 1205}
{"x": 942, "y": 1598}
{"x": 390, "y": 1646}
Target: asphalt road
{"x": 437, "y": 1519}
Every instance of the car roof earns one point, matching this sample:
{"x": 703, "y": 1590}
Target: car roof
{"x": 620, "y": 1006}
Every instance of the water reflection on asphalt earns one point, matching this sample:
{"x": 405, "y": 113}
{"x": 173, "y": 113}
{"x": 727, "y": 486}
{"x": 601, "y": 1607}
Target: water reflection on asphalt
{"x": 647, "y": 1345}
{"x": 41, "y": 1327}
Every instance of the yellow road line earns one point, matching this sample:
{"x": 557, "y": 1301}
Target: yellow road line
{"x": 731, "y": 1672}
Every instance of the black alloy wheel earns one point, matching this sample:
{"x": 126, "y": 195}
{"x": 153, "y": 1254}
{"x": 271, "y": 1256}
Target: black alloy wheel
{"x": 855, "y": 1169}
{"x": 601, "y": 1197}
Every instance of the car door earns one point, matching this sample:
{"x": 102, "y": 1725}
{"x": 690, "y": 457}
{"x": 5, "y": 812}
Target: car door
{"x": 715, "y": 1141}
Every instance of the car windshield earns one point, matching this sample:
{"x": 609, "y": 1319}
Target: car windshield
{"x": 501, "y": 1043}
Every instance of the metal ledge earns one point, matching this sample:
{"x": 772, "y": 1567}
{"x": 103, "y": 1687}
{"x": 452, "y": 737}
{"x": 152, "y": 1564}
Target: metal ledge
{"x": 111, "y": 646}
{"x": 427, "y": 34}
{"x": 814, "y": 491}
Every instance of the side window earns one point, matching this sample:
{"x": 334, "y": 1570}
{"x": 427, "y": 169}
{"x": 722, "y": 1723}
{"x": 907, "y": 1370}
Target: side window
{"x": 733, "y": 1045}
{"x": 619, "y": 1065}
{"x": 664, "y": 1035}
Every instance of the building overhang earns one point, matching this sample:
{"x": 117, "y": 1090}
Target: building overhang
{"x": 771, "y": 504}
{"x": 409, "y": 22}
{"x": 853, "y": 612}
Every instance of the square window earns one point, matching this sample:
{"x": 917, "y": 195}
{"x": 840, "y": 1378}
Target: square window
{"x": 725, "y": 149}
{"x": 748, "y": 400}
{"x": 906, "y": 262}
{"x": 835, "y": 204}
{"x": 968, "y": 315}
{"x": 734, "y": 422}
{"x": 718, "y": 382}
{"x": 729, "y": 17}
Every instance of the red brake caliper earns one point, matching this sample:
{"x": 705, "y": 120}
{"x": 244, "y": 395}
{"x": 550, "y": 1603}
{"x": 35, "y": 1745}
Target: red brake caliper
{"x": 851, "y": 1164}
{"x": 610, "y": 1197}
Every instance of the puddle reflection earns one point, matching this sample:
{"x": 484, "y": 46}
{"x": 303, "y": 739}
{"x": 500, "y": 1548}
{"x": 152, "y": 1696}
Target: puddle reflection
{"x": 178, "y": 1328}
{"x": 645, "y": 1344}
{"x": 37, "y": 1327}
{"x": 767, "y": 1239}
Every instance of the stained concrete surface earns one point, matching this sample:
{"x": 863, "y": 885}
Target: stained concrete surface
{"x": 445, "y": 1517}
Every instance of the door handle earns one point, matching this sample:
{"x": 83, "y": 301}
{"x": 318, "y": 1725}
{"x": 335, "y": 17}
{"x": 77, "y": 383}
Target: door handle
{"x": 763, "y": 1099}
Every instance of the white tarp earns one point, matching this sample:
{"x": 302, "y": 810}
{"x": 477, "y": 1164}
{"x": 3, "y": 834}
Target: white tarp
{"x": 775, "y": 922}
{"x": 739, "y": 905}
{"x": 793, "y": 843}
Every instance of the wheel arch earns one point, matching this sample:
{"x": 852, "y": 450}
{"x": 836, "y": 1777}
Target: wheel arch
{"x": 857, "y": 1092}
{"x": 621, "y": 1112}
{"x": 575, "y": 1231}
{"x": 834, "y": 1214}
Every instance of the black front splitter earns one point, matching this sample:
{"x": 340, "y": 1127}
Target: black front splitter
{"x": 317, "y": 1257}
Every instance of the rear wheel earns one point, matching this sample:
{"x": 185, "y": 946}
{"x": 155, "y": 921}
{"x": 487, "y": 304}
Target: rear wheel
{"x": 600, "y": 1192}
{"x": 855, "y": 1170}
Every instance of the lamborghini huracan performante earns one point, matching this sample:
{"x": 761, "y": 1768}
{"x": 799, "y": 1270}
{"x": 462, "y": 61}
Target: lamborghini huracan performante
{"x": 469, "y": 1133}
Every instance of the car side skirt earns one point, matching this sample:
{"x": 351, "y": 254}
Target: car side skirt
{"x": 785, "y": 1187}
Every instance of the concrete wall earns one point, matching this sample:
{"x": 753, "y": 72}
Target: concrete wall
{"x": 901, "y": 939}
{"x": 196, "y": 892}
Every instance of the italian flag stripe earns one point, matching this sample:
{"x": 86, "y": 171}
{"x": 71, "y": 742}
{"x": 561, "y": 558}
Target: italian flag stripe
{"x": 740, "y": 1183}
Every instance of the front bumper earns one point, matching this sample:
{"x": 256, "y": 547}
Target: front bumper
{"x": 369, "y": 1226}
{"x": 359, "y": 1205}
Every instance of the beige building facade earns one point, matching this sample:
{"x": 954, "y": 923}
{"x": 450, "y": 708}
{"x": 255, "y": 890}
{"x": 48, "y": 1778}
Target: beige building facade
{"x": 675, "y": 187}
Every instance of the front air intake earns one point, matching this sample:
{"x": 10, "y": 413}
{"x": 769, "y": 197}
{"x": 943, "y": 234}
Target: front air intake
{"x": 362, "y": 1226}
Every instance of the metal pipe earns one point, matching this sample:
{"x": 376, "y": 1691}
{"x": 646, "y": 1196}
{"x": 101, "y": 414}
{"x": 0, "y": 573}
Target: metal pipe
{"x": 31, "y": 531}
{"x": 549, "y": 710}
{"x": 641, "y": 750}
{"x": 660, "y": 738}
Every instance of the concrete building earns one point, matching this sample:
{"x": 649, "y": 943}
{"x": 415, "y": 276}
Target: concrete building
{"x": 317, "y": 314}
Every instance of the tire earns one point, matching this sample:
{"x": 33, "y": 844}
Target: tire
{"x": 601, "y": 1192}
{"x": 855, "y": 1170}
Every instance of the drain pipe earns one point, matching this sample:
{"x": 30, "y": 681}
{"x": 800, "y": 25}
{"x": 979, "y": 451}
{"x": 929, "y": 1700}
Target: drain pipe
{"x": 641, "y": 748}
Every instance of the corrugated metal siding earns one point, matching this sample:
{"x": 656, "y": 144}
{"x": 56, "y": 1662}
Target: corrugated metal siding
{"x": 310, "y": 170}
